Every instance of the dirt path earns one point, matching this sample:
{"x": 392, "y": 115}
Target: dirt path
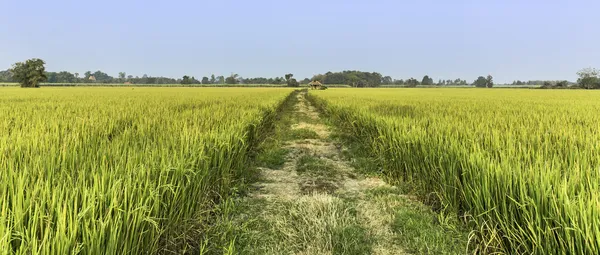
{"x": 317, "y": 202}
{"x": 314, "y": 201}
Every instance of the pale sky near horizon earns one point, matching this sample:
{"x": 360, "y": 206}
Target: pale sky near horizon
{"x": 509, "y": 39}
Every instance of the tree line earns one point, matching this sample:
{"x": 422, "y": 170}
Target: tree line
{"x": 32, "y": 72}
{"x": 102, "y": 77}
{"x": 589, "y": 78}
{"x": 352, "y": 78}
{"x": 538, "y": 82}
{"x": 95, "y": 77}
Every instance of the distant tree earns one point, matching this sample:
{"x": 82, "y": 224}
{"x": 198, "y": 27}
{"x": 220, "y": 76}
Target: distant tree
{"x": 205, "y": 80}
{"x": 481, "y": 82}
{"x": 562, "y": 84}
{"x": 353, "y": 78}
{"x": 213, "y": 80}
{"x": 291, "y": 82}
{"x": 50, "y": 77}
{"x": 399, "y": 82}
{"x": 241, "y": 80}
{"x": 232, "y": 79}
{"x": 258, "y": 80}
{"x": 278, "y": 80}
{"x": 547, "y": 84}
{"x": 154, "y": 80}
{"x": 387, "y": 80}
{"x": 76, "y": 75}
{"x": 220, "y": 79}
{"x": 589, "y": 78}
{"x": 412, "y": 82}
{"x": 129, "y": 77}
{"x": 122, "y": 75}
{"x": 489, "y": 81}
{"x": 102, "y": 77}
{"x": 65, "y": 77}
{"x": 427, "y": 80}
{"x": 144, "y": 79}
{"x": 554, "y": 84}
{"x": 29, "y": 73}
{"x": 186, "y": 80}
{"x": 86, "y": 76}
{"x": 536, "y": 82}
{"x": 151, "y": 80}
{"x": 318, "y": 77}
{"x": 305, "y": 81}
{"x": 6, "y": 76}
{"x": 355, "y": 81}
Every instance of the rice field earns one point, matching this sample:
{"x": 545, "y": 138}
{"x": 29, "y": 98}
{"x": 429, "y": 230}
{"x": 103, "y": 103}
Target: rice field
{"x": 140, "y": 170}
{"x": 520, "y": 166}
{"x": 121, "y": 170}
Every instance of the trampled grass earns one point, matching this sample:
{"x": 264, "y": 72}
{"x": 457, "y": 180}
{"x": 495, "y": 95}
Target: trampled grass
{"x": 521, "y": 165}
{"x": 121, "y": 170}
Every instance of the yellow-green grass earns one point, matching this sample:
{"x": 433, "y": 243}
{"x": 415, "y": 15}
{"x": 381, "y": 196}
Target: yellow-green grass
{"x": 522, "y": 165}
{"x": 153, "y": 85}
{"x": 121, "y": 170}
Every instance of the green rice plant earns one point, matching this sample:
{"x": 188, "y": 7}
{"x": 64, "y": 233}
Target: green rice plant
{"x": 121, "y": 170}
{"x": 522, "y": 166}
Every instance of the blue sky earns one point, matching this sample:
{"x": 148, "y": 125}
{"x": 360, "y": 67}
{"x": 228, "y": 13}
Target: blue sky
{"x": 509, "y": 39}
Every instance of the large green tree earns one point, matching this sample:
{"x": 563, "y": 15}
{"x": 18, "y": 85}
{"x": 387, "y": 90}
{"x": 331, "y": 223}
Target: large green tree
{"x": 29, "y": 73}
{"x": 589, "y": 78}
{"x": 489, "y": 81}
{"x": 480, "y": 82}
{"x": 427, "y": 80}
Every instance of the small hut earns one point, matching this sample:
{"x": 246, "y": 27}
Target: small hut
{"x": 315, "y": 85}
